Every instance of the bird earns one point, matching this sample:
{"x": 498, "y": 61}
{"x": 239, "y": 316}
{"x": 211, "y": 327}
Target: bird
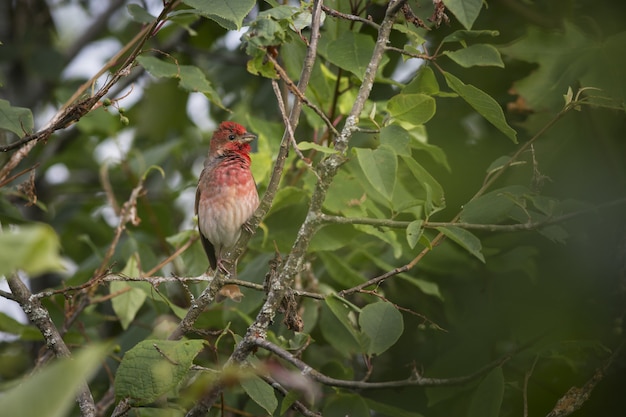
{"x": 226, "y": 197}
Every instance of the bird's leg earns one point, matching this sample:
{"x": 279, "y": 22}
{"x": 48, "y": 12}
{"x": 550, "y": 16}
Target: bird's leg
{"x": 247, "y": 227}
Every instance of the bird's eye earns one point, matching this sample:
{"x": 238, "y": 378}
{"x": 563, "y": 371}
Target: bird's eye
{"x": 231, "y": 137}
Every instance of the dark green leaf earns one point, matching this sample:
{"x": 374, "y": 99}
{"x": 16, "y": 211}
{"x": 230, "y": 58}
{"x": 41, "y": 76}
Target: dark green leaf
{"x": 487, "y": 398}
{"x": 340, "y": 270}
{"x": 337, "y": 326}
{"x": 390, "y": 410}
{"x": 493, "y": 207}
{"x": 342, "y": 405}
{"x": 466, "y": 11}
{"x": 465, "y": 239}
{"x": 483, "y": 103}
{"x": 476, "y": 55}
{"x": 383, "y": 324}
{"x": 463, "y": 35}
{"x": 260, "y": 392}
{"x": 435, "y": 200}
{"x": 18, "y": 120}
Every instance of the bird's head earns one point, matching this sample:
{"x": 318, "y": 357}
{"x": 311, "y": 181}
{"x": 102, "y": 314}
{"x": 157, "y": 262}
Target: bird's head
{"x": 230, "y": 137}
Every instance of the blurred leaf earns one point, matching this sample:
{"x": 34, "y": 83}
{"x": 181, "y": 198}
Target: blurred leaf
{"x": 340, "y": 270}
{"x": 487, "y": 398}
{"x": 493, "y": 207}
{"x": 416, "y": 109}
{"x": 153, "y": 368}
{"x": 260, "y": 392}
{"x": 463, "y": 35}
{"x": 337, "y": 327}
{"x": 342, "y": 405}
{"x": 139, "y": 14}
{"x": 306, "y": 146}
{"x": 390, "y": 410}
{"x": 228, "y": 14}
{"x": 383, "y": 324}
{"x": 476, "y": 55}
{"x": 465, "y": 239}
{"x": 466, "y": 11}
{"x": 435, "y": 200}
{"x": 483, "y": 104}
{"x": 51, "y": 391}
{"x": 18, "y": 120}
{"x": 33, "y": 249}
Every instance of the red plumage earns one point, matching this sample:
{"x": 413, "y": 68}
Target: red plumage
{"x": 226, "y": 196}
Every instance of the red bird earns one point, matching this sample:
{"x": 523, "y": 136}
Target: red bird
{"x": 226, "y": 197}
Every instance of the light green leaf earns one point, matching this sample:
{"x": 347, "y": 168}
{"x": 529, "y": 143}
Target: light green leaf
{"x": 305, "y": 146}
{"x": 476, "y": 55}
{"x": 51, "y": 391}
{"x": 34, "y": 249}
{"x": 18, "y": 120}
{"x": 487, "y": 398}
{"x": 466, "y": 11}
{"x": 414, "y": 232}
{"x": 465, "y": 239}
{"x": 130, "y": 296}
{"x": 352, "y": 52}
{"x": 227, "y": 13}
{"x": 424, "y": 82}
{"x": 260, "y": 392}
{"x": 380, "y": 167}
{"x": 416, "y": 109}
{"x": 396, "y": 138}
{"x": 383, "y": 324}
{"x": 154, "y": 367}
{"x": 483, "y": 103}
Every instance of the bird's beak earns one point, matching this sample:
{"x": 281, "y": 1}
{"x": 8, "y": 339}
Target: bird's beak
{"x": 248, "y": 137}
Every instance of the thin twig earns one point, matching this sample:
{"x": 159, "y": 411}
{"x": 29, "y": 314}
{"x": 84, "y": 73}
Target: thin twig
{"x": 350, "y": 17}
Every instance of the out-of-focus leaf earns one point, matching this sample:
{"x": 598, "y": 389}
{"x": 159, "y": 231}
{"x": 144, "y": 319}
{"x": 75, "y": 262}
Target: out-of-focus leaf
{"x": 228, "y": 14}
{"x": 390, "y": 410}
{"x": 154, "y": 367}
{"x": 340, "y": 271}
{"x": 488, "y": 396}
{"x": 483, "y": 103}
{"x": 18, "y": 120}
{"x": 51, "y": 391}
{"x": 435, "y": 200}
{"x": 494, "y": 206}
{"x": 139, "y": 14}
{"x": 383, "y": 324}
{"x": 463, "y": 35}
{"x": 342, "y": 405}
{"x": 337, "y": 326}
{"x": 260, "y": 392}
{"x": 466, "y": 11}
{"x": 416, "y": 109}
{"x": 476, "y": 55}
{"x": 465, "y": 239}
{"x": 306, "y": 146}
{"x": 34, "y": 249}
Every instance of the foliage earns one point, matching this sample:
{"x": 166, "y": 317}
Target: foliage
{"x": 441, "y": 230}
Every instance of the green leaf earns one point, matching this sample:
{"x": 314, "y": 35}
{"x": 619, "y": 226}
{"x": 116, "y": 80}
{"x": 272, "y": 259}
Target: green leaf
{"x": 483, "y": 103}
{"x": 290, "y": 398}
{"x": 51, "y": 391}
{"x": 154, "y": 367}
{"x": 435, "y": 200}
{"x": 493, "y": 207}
{"x": 337, "y": 326}
{"x": 390, "y": 410}
{"x": 340, "y": 270}
{"x": 414, "y": 232}
{"x": 18, "y": 120}
{"x": 487, "y": 398}
{"x": 342, "y": 405}
{"x": 466, "y": 11}
{"x": 131, "y": 295}
{"x": 380, "y": 167}
{"x": 416, "y": 109}
{"x": 227, "y": 13}
{"x": 352, "y": 52}
{"x": 383, "y": 324}
{"x": 462, "y": 35}
{"x": 260, "y": 392}
{"x": 465, "y": 239}
{"x": 424, "y": 82}
{"x": 396, "y": 138}
{"x": 476, "y": 55}
{"x": 33, "y": 249}
{"x": 139, "y": 14}
{"x": 306, "y": 146}
{"x": 190, "y": 78}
